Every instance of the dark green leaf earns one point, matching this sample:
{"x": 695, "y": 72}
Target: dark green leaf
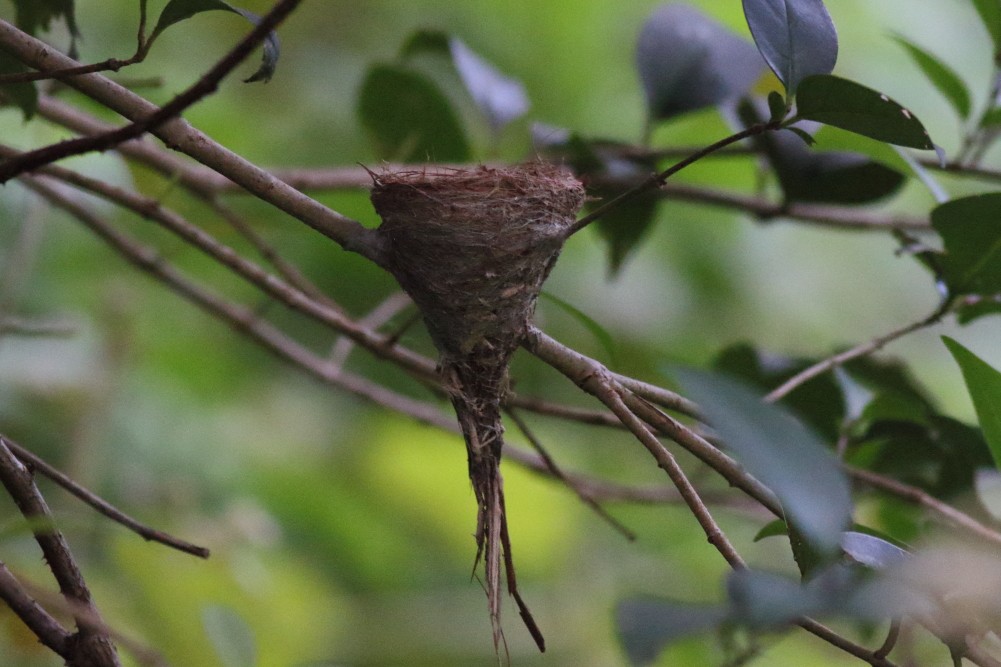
{"x": 990, "y": 14}
{"x": 426, "y": 41}
{"x": 797, "y": 38}
{"x": 500, "y": 98}
{"x": 625, "y": 227}
{"x": 984, "y": 384}
{"x": 687, "y": 61}
{"x": 34, "y": 16}
{"x": 409, "y": 118}
{"x": 772, "y": 529}
{"x": 230, "y": 635}
{"x": 781, "y": 452}
{"x": 599, "y": 332}
{"x": 647, "y": 627}
{"x": 971, "y": 233}
{"x": 803, "y": 135}
{"x": 777, "y": 107}
{"x": 991, "y": 118}
{"x": 853, "y": 107}
{"x": 941, "y": 76}
{"x": 179, "y": 10}
{"x": 22, "y": 95}
{"x": 871, "y": 551}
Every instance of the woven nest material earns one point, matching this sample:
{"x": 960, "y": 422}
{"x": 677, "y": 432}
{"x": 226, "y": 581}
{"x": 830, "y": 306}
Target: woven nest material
{"x": 473, "y": 247}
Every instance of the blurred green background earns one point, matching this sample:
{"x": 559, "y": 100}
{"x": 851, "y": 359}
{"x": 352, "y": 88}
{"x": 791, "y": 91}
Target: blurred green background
{"x": 341, "y": 533}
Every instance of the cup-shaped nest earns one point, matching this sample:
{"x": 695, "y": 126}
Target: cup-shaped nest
{"x": 473, "y": 247}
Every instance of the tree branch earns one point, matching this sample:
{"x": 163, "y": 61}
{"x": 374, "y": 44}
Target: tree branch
{"x": 205, "y": 86}
{"x": 102, "y": 506}
{"x": 90, "y": 645}
{"x": 180, "y": 136}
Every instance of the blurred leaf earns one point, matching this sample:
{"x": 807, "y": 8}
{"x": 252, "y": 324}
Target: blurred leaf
{"x": 687, "y": 61}
{"x": 22, "y": 95}
{"x": 409, "y": 118}
{"x": 600, "y": 334}
{"x": 179, "y": 10}
{"x": 971, "y": 233}
{"x": 818, "y": 402}
{"x": 853, "y": 107}
{"x": 34, "y": 16}
{"x": 987, "y": 483}
{"x": 501, "y": 98}
{"x": 984, "y": 384}
{"x": 990, "y": 15}
{"x": 941, "y": 76}
{"x": 797, "y": 38}
{"x": 871, "y": 551}
{"x": 777, "y": 449}
{"x": 777, "y": 107}
{"x": 232, "y": 639}
{"x": 764, "y": 600}
{"x": 426, "y": 41}
{"x": 808, "y": 175}
{"x": 647, "y": 627}
{"x": 991, "y": 118}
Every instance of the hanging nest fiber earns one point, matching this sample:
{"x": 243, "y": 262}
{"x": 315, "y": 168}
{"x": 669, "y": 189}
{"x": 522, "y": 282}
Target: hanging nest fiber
{"x": 472, "y": 249}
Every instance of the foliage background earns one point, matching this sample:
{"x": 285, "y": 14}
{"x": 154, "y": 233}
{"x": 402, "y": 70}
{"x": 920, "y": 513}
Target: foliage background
{"x": 341, "y": 534}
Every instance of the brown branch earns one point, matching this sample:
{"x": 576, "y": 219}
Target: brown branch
{"x": 99, "y": 504}
{"x": 557, "y": 473}
{"x": 90, "y": 645}
{"x": 205, "y": 86}
{"x": 658, "y": 180}
{"x": 861, "y": 350}
{"x": 40, "y": 622}
{"x": 923, "y": 499}
{"x": 177, "y": 134}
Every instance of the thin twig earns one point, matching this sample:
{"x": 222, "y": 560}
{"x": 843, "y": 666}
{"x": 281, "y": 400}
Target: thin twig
{"x": 179, "y": 135}
{"x": 557, "y": 473}
{"x": 91, "y": 645}
{"x": 861, "y": 350}
{"x": 922, "y": 498}
{"x": 39, "y": 621}
{"x": 206, "y": 85}
{"x": 99, "y": 504}
{"x": 657, "y": 180}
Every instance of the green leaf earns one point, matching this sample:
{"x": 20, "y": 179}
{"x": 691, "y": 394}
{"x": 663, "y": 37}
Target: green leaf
{"x": 772, "y": 529}
{"x": 22, "y": 95}
{"x": 687, "y": 61}
{"x": 797, "y": 38}
{"x": 777, "y": 107}
{"x": 230, "y": 635}
{"x": 941, "y": 76}
{"x": 626, "y": 226}
{"x": 853, "y": 107}
{"x": 990, "y": 14}
{"x": 178, "y": 10}
{"x": 409, "y": 117}
{"x": 647, "y": 627}
{"x": 599, "y": 332}
{"x": 970, "y": 228}
{"x": 991, "y": 118}
{"x": 780, "y": 451}
{"x": 826, "y": 176}
{"x": 984, "y": 384}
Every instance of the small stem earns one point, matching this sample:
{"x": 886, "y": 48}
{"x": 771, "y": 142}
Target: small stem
{"x": 858, "y": 351}
{"x": 657, "y": 180}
